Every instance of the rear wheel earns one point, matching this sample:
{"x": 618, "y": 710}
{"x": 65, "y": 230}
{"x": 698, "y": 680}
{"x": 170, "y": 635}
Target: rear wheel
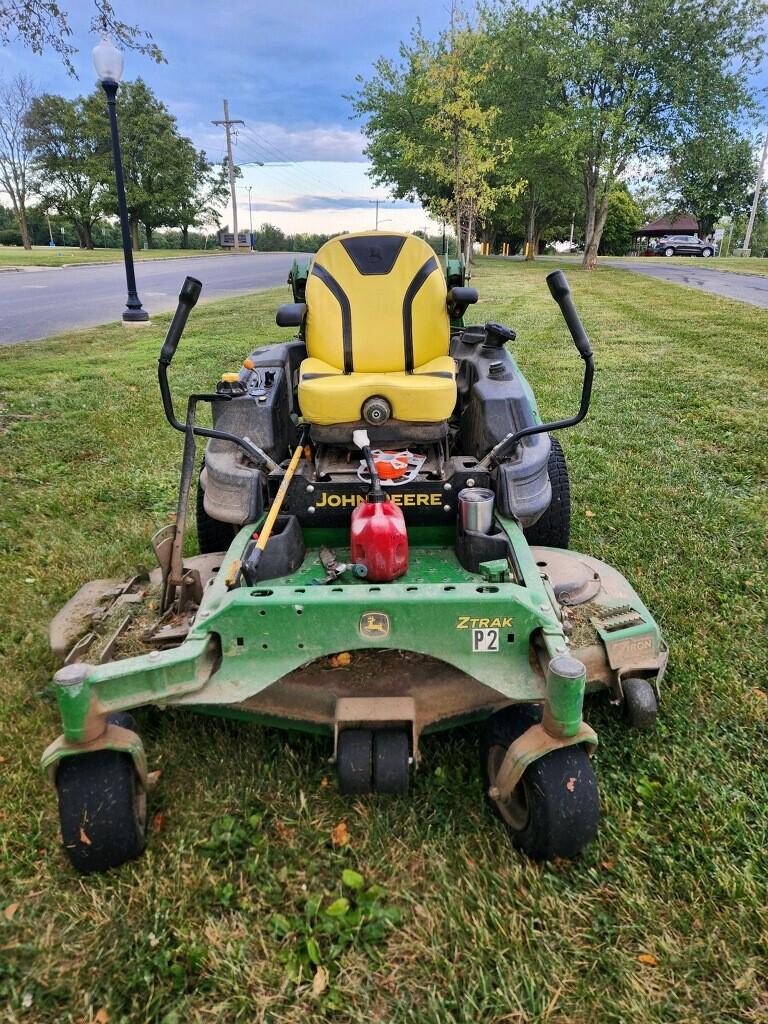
{"x": 212, "y": 535}
{"x": 554, "y": 810}
{"x": 554, "y": 528}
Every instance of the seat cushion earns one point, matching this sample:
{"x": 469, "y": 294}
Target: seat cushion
{"x": 376, "y": 303}
{"x": 327, "y": 395}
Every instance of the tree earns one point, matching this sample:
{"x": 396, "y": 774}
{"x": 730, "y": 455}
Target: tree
{"x": 201, "y": 194}
{"x": 637, "y": 74}
{"x": 269, "y": 238}
{"x": 65, "y": 138}
{"x": 542, "y": 154}
{"x": 157, "y": 161}
{"x": 624, "y": 218}
{"x": 44, "y": 25}
{"x": 429, "y": 133}
{"x": 16, "y": 177}
{"x": 711, "y": 176}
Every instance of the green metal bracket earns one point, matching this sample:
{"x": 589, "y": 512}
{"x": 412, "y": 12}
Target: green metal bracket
{"x": 297, "y": 279}
{"x": 495, "y": 571}
{"x": 114, "y": 737}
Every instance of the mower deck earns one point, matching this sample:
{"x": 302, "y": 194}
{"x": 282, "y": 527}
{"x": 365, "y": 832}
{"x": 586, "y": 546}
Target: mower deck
{"x": 262, "y": 651}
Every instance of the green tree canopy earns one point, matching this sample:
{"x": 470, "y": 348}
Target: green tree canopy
{"x": 66, "y": 137}
{"x": 711, "y": 176}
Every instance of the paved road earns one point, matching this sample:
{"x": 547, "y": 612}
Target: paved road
{"x": 743, "y": 287}
{"x": 39, "y": 303}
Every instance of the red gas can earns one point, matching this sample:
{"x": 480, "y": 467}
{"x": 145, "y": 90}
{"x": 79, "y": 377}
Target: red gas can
{"x": 379, "y": 540}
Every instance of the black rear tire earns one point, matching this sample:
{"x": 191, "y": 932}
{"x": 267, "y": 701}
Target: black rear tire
{"x": 555, "y": 809}
{"x": 102, "y": 809}
{"x": 391, "y": 761}
{"x": 354, "y": 761}
{"x": 553, "y": 530}
{"x": 212, "y": 536}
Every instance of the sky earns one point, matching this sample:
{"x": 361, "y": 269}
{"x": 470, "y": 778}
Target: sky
{"x": 285, "y": 68}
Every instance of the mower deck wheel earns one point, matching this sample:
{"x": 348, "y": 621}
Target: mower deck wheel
{"x": 354, "y": 757}
{"x": 555, "y": 809}
{"x": 102, "y": 809}
{"x": 640, "y": 704}
{"x": 391, "y": 761}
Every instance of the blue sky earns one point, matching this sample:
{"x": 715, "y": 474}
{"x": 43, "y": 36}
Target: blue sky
{"x": 285, "y": 68}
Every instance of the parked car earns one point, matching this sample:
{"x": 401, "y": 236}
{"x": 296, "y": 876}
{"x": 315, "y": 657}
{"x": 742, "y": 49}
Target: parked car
{"x": 680, "y": 245}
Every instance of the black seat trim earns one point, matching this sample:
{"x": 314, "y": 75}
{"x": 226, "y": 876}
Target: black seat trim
{"x": 374, "y": 255}
{"x": 413, "y": 288}
{"x": 340, "y": 295}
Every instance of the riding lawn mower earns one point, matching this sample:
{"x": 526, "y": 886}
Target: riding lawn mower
{"x": 381, "y": 491}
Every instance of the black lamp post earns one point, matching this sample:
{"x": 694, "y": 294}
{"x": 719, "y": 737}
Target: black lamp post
{"x": 108, "y": 62}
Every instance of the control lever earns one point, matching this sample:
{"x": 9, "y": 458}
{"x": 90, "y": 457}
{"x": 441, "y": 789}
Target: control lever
{"x": 561, "y": 293}
{"x": 188, "y": 296}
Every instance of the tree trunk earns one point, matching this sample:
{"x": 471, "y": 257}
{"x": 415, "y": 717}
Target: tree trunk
{"x": 148, "y": 230}
{"x": 530, "y": 235}
{"x": 21, "y": 217}
{"x": 185, "y": 236}
{"x": 470, "y": 230}
{"x": 134, "y": 228}
{"x": 590, "y": 186}
{"x": 88, "y": 236}
{"x": 593, "y": 244}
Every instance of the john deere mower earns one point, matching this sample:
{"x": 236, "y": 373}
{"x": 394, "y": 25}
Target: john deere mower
{"x": 380, "y": 491}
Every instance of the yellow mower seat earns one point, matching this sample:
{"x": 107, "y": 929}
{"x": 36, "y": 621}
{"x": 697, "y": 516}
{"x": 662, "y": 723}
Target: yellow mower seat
{"x": 376, "y": 325}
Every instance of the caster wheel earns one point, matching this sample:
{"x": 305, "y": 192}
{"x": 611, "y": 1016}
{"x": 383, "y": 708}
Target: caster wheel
{"x": 554, "y": 811}
{"x": 640, "y": 705}
{"x": 391, "y": 761}
{"x": 354, "y": 755}
{"x": 102, "y": 809}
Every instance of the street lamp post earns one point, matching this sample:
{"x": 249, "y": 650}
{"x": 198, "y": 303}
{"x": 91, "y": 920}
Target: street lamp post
{"x": 250, "y": 219}
{"x": 108, "y": 62}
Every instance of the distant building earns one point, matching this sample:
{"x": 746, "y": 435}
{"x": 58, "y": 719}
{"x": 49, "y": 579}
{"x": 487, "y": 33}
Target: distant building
{"x": 683, "y": 225}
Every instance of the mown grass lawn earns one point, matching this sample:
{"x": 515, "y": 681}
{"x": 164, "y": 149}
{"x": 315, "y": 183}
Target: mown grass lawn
{"x": 662, "y": 920}
{"x": 43, "y": 256}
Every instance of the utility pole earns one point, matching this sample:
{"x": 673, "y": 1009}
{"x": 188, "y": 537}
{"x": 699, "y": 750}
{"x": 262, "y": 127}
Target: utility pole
{"x": 228, "y": 122}
{"x": 755, "y": 204}
{"x": 376, "y": 201}
{"x": 250, "y": 220}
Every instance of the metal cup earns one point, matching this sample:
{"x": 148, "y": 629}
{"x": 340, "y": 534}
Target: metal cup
{"x": 476, "y": 509}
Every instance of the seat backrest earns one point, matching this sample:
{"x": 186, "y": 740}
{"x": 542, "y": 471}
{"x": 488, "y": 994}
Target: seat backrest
{"x": 376, "y": 302}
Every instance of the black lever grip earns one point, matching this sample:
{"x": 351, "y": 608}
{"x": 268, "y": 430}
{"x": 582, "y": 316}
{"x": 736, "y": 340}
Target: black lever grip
{"x": 188, "y": 296}
{"x": 561, "y": 293}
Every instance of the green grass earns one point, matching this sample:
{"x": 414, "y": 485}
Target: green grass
{"x": 43, "y": 256}
{"x": 219, "y": 920}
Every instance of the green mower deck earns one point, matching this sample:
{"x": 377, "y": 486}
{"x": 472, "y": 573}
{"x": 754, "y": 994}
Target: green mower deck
{"x": 258, "y": 651}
